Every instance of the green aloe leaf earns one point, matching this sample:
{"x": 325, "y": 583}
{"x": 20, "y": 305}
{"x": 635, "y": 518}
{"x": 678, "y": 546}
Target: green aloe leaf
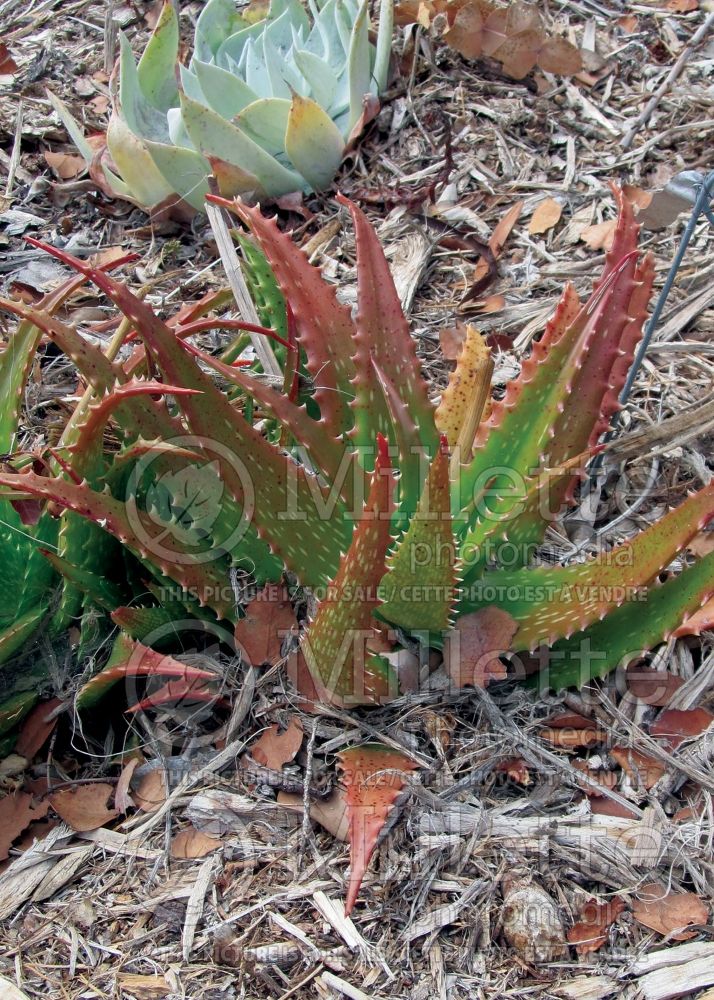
{"x": 336, "y": 649}
{"x": 14, "y": 636}
{"x": 15, "y": 708}
{"x": 628, "y": 631}
{"x": 132, "y": 659}
{"x": 419, "y": 587}
{"x": 550, "y": 603}
{"x": 325, "y": 328}
{"x": 383, "y": 341}
{"x": 557, "y": 408}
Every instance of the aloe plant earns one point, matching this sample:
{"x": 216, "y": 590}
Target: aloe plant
{"x": 406, "y": 517}
{"x": 267, "y": 105}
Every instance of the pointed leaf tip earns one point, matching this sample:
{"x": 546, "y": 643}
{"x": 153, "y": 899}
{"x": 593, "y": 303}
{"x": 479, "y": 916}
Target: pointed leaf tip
{"x": 373, "y": 776}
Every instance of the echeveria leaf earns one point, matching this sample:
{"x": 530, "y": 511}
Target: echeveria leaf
{"x": 213, "y": 134}
{"x": 266, "y": 122}
{"x": 138, "y": 115}
{"x": 156, "y": 71}
{"x": 184, "y": 170}
{"x": 358, "y": 64}
{"x": 313, "y": 142}
{"x": 224, "y": 92}
{"x": 218, "y": 20}
{"x": 384, "y": 44}
{"x": 320, "y": 77}
{"x": 136, "y": 165}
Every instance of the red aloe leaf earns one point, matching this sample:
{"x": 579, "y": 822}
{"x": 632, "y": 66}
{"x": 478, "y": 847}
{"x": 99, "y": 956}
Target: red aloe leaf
{"x": 139, "y": 416}
{"x": 382, "y": 336}
{"x": 558, "y": 407}
{"x": 336, "y": 647}
{"x": 207, "y": 580}
{"x": 324, "y": 326}
{"x": 13, "y": 375}
{"x": 197, "y": 326}
{"x": 89, "y": 434}
{"x": 251, "y": 468}
{"x": 133, "y": 659}
{"x": 338, "y": 465}
{"x": 552, "y": 603}
{"x": 373, "y": 776}
{"x": 185, "y": 689}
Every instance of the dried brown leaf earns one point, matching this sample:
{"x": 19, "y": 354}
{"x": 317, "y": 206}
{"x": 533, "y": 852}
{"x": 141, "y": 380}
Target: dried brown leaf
{"x": 84, "y": 807}
{"x": 569, "y": 738}
{"x": 503, "y": 230}
{"x": 452, "y": 339}
{"x": 641, "y": 769}
{"x": 64, "y": 165}
{"x": 516, "y": 769}
{"x": 519, "y": 53}
{"x": 8, "y": 66}
{"x": 608, "y": 779}
{"x": 268, "y": 618}
{"x": 653, "y": 687}
{"x": 274, "y": 748}
{"x": 682, "y": 6}
{"x": 568, "y": 720}
{"x": 466, "y": 33}
{"x": 37, "y": 728}
{"x": 558, "y": 55}
{"x": 702, "y": 544}
{"x": 637, "y": 196}
{"x": 17, "y": 811}
{"x": 491, "y": 304}
{"x": 589, "y": 933}
{"x": 122, "y": 799}
{"x": 473, "y": 647}
{"x": 607, "y": 807}
{"x": 191, "y": 843}
{"x": 546, "y": 215}
{"x": 666, "y": 912}
{"x": 600, "y": 236}
{"x": 676, "y": 725}
{"x": 151, "y": 792}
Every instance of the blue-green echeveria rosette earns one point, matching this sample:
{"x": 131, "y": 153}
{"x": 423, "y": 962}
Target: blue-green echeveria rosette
{"x": 267, "y": 104}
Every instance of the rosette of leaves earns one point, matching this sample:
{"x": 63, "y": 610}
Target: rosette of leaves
{"x": 267, "y": 104}
{"x": 409, "y": 518}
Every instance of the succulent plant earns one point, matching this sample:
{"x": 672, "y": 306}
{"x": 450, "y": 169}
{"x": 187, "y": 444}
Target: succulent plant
{"x": 444, "y": 552}
{"x": 267, "y": 103}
